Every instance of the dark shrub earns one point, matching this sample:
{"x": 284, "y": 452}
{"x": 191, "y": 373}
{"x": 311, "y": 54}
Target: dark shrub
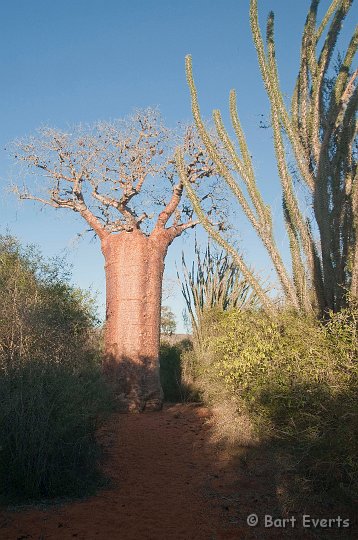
{"x": 48, "y": 418}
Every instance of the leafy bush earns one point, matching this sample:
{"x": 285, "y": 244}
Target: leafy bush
{"x": 167, "y": 321}
{"x": 342, "y": 331}
{"x": 42, "y": 315}
{"x": 173, "y": 376}
{"x": 294, "y": 379}
{"x": 48, "y": 419}
{"x": 52, "y": 394}
{"x": 213, "y": 282}
{"x": 170, "y": 371}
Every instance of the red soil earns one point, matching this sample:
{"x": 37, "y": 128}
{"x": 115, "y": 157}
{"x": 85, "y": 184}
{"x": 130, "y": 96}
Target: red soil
{"x": 169, "y": 482}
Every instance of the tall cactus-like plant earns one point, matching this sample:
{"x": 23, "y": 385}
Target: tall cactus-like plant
{"x": 213, "y": 281}
{"x": 321, "y": 128}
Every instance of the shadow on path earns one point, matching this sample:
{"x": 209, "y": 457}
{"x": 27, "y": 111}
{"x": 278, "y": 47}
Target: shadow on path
{"x": 169, "y": 481}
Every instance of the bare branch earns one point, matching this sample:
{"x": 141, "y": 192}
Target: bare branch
{"x": 178, "y": 229}
{"x": 108, "y": 172}
{"x": 172, "y": 205}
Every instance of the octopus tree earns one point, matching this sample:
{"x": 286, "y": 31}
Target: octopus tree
{"x": 121, "y": 178}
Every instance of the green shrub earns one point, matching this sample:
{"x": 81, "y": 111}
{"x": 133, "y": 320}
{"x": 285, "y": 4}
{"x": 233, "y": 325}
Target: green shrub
{"x": 295, "y": 379}
{"x": 52, "y": 394}
{"x": 48, "y": 418}
{"x": 42, "y": 315}
{"x": 173, "y": 373}
{"x": 342, "y": 331}
{"x": 170, "y": 372}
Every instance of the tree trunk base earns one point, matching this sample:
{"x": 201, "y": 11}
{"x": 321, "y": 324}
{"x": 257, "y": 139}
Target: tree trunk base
{"x": 126, "y": 405}
{"x": 134, "y": 272}
{"x": 135, "y": 384}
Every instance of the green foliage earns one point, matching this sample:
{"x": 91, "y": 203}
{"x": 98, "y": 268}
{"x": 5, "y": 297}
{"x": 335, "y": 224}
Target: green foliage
{"x": 42, "y": 316}
{"x": 214, "y": 281}
{"x": 342, "y": 330}
{"x": 170, "y": 371}
{"x": 167, "y": 321}
{"x": 48, "y": 417}
{"x": 52, "y": 394}
{"x": 173, "y": 375}
{"x": 295, "y": 379}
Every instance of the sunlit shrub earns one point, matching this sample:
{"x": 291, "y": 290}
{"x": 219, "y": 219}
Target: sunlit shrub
{"x": 294, "y": 379}
{"x": 42, "y": 315}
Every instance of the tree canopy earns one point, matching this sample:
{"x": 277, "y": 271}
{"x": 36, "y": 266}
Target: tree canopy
{"x": 119, "y": 176}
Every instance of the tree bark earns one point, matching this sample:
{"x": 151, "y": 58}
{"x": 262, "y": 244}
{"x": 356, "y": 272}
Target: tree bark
{"x": 134, "y": 265}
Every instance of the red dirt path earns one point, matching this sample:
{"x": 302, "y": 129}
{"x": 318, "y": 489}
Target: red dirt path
{"x": 169, "y": 482}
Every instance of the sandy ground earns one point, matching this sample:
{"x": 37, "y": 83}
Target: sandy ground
{"x": 168, "y": 482}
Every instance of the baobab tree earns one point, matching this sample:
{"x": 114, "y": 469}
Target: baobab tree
{"x": 121, "y": 178}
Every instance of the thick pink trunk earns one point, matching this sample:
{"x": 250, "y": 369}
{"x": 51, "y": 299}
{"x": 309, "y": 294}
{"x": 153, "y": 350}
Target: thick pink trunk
{"x": 134, "y": 266}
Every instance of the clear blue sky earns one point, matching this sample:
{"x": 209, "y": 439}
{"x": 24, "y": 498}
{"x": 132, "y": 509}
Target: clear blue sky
{"x": 85, "y": 60}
